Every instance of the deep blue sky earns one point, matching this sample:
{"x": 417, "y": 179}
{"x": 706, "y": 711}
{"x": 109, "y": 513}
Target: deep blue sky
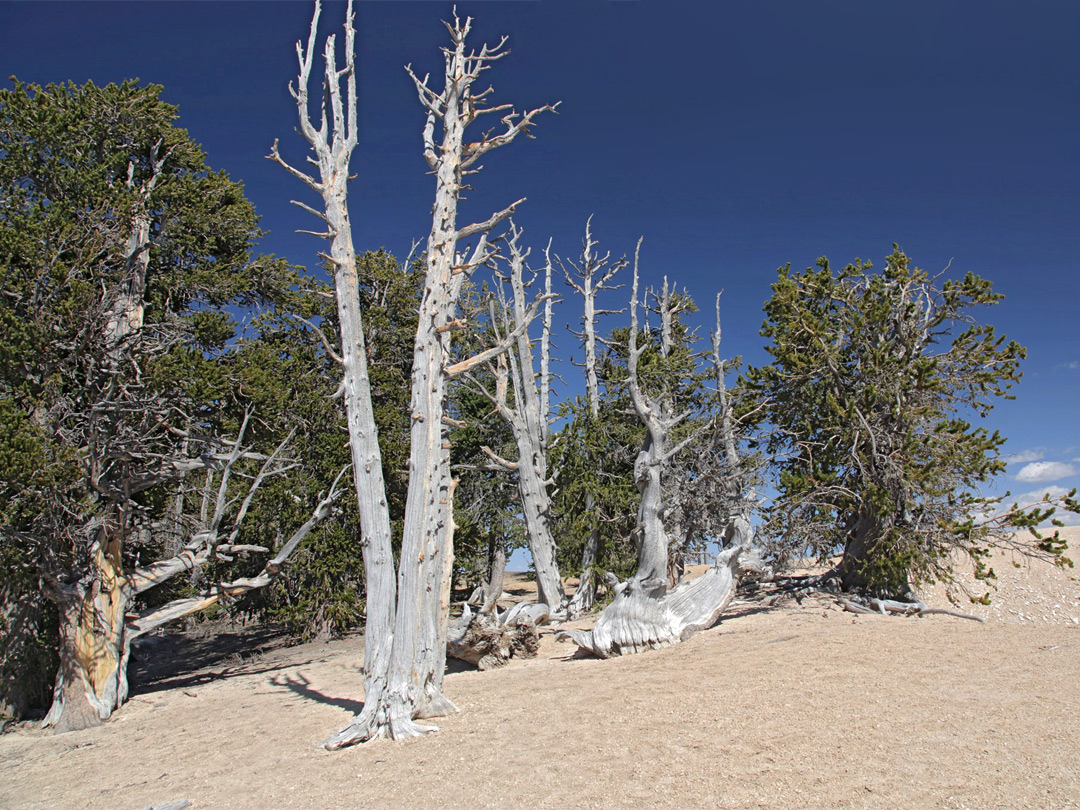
{"x": 735, "y": 136}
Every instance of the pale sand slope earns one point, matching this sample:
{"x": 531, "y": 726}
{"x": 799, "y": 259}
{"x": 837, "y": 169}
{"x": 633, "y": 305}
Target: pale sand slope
{"x": 793, "y": 707}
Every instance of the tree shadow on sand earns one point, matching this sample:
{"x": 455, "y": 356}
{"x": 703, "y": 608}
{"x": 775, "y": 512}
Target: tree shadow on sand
{"x": 300, "y": 685}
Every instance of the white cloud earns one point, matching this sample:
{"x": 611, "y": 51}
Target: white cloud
{"x": 1040, "y": 471}
{"x": 1023, "y": 457}
{"x": 1036, "y": 495}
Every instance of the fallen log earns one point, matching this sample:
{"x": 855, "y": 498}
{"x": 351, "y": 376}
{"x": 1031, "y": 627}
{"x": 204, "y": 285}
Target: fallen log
{"x": 885, "y": 607}
{"x": 489, "y": 640}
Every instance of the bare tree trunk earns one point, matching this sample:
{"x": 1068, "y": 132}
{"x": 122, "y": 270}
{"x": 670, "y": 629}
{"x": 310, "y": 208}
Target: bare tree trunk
{"x": 860, "y": 568}
{"x": 592, "y": 275}
{"x": 739, "y": 531}
{"x": 92, "y": 680}
{"x": 404, "y": 648}
{"x": 333, "y": 150}
{"x": 97, "y": 625}
{"x": 528, "y": 420}
{"x": 644, "y": 613}
{"x": 488, "y": 593}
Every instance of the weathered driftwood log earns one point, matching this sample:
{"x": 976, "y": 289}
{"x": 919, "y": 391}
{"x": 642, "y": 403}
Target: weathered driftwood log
{"x": 639, "y": 620}
{"x": 887, "y": 606}
{"x": 489, "y": 640}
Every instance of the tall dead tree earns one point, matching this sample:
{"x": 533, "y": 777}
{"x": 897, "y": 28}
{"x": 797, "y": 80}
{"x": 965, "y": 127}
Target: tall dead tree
{"x": 645, "y": 613}
{"x": 592, "y": 274}
{"x": 405, "y": 644}
{"x": 736, "y": 497}
{"x": 711, "y": 487}
{"x": 333, "y": 143}
{"x": 521, "y": 398}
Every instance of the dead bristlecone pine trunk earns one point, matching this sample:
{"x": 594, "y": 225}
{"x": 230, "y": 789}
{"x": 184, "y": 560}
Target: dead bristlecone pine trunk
{"x": 521, "y": 399}
{"x": 645, "y": 613}
{"x": 489, "y": 640}
{"x": 407, "y": 610}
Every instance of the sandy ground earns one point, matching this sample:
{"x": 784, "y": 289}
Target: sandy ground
{"x": 788, "y": 706}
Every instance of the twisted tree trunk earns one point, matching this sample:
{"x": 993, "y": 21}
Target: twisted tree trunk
{"x": 91, "y": 682}
{"x": 644, "y": 613}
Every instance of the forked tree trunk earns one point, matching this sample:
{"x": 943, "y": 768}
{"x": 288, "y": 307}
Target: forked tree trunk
{"x": 521, "y": 400}
{"x": 405, "y": 638}
{"x": 644, "y": 613}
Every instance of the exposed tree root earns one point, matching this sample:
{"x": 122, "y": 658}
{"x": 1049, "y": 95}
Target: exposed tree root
{"x": 639, "y": 619}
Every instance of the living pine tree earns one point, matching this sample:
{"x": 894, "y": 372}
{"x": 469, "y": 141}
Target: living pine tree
{"x": 876, "y": 382}
{"x": 118, "y": 250}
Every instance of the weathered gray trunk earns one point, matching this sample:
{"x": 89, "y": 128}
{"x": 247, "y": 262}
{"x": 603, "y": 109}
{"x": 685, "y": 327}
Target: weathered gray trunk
{"x": 489, "y": 640}
{"x": 526, "y": 415}
{"x": 641, "y": 618}
{"x": 644, "y": 613}
{"x": 490, "y": 591}
{"x": 738, "y": 531}
{"x": 404, "y": 670}
{"x": 333, "y": 145}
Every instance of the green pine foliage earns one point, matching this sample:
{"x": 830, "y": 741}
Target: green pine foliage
{"x": 873, "y": 399}
{"x": 89, "y": 422}
{"x": 283, "y": 369}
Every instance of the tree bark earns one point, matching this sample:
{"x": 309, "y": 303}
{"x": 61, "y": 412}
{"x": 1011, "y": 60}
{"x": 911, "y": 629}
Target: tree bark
{"x": 92, "y": 680}
{"x": 862, "y": 569}
{"x": 526, "y": 415}
{"x": 490, "y": 591}
{"x": 489, "y": 640}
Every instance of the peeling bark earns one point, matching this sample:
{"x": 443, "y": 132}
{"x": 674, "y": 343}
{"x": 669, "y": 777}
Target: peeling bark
{"x": 92, "y": 679}
{"x": 91, "y": 682}
{"x": 97, "y": 626}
